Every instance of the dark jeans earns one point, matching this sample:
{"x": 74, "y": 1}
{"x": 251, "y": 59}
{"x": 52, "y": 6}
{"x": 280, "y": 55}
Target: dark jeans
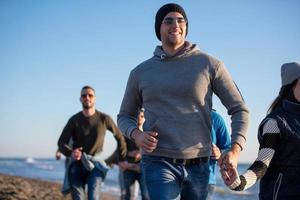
{"x": 80, "y": 177}
{"x": 129, "y": 178}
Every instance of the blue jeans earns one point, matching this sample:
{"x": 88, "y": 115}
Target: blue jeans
{"x": 80, "y": 177}
{"x": 129, "y": 178}
{"x": 169, "y": 181}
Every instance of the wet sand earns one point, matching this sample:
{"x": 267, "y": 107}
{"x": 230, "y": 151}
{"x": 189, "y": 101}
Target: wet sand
{"x": 20, "y": 188}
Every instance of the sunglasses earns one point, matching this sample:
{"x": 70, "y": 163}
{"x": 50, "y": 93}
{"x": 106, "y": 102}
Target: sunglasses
{"x": 170, "y": 20}
{"x": 87, "y": 95}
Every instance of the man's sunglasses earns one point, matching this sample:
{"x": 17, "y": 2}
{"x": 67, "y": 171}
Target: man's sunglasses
{"x": 170, "y": 20}
{"x": 87, "y": 95}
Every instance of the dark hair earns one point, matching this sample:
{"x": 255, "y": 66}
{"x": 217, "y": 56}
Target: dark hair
{"x": 87, "y": 87}
{"x": 286, "y": 92}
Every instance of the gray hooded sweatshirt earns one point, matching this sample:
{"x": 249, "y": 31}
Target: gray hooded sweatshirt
{"x": 176, "y": 93}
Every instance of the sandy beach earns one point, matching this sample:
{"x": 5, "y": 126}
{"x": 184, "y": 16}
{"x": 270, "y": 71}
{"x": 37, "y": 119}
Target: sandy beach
{"x": 20, "y": 188}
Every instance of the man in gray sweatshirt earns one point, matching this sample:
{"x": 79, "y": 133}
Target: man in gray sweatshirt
{"x": 175, "y": 87}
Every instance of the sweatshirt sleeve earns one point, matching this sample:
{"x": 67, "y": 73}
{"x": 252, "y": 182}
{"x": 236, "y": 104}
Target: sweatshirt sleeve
{"x": 112, "y": 127}
{"x": 132, "y": 101}
{"x": 230, "y": 96}
{"x": 65, "y": 137}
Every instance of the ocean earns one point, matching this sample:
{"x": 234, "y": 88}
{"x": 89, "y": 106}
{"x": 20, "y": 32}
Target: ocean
{"x": 53, "y": 170}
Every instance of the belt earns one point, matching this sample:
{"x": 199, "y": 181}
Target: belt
{"x": 192, "y": 161}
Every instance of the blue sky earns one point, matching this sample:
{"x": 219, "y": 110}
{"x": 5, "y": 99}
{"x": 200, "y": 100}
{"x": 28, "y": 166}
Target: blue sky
{"x": 50, "y": 49}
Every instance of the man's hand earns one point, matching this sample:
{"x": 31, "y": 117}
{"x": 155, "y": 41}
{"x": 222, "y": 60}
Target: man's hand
{"x": 229, "y": 175}
{"x": 136, "y": 154}
{"x": 58, "y": 155}
{"x": 145, "y": 140}
{"x": 230, "y": 158}
{"x": 76, "y": 153}
{"x": 228, "y": 164}
{"x": 123, "y": 165}
{"x": 215, "y": 152}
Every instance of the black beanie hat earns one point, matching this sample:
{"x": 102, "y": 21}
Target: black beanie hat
{"x": 163, "y": 11}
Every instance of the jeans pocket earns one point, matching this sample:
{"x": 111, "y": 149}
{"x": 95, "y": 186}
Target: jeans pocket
{"x": 277, "y": 186}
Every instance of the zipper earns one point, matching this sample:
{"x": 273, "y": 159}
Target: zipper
{"x": 277, "y": 186}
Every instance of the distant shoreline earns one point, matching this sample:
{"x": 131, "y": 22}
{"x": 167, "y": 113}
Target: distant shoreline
{"x": 16, "y": 187}
{"x": 51, "y": 158}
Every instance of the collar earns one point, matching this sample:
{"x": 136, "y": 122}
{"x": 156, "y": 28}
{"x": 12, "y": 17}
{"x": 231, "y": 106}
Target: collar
{"x": 291, "y": 107}
{"x": 188, "y": 49}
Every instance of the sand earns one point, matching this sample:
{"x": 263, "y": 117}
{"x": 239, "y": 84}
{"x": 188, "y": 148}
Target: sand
{"x": 20, "y": 188}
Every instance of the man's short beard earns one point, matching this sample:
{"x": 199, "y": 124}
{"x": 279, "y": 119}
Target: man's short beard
{"x": 86, "y": 107}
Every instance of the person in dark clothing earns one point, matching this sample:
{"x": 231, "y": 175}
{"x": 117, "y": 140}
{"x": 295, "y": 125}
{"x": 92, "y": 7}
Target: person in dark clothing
{"x": 87, "y": 131}
{"x": 278, "y": 161}
{"x": 131, "y": 168}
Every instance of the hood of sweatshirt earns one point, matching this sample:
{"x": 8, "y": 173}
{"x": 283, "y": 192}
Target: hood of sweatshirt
{"x": 187, "y": 50}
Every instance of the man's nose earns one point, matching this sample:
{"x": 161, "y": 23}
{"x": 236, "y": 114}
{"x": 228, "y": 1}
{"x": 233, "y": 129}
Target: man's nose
{"x": 175, "y": 23}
